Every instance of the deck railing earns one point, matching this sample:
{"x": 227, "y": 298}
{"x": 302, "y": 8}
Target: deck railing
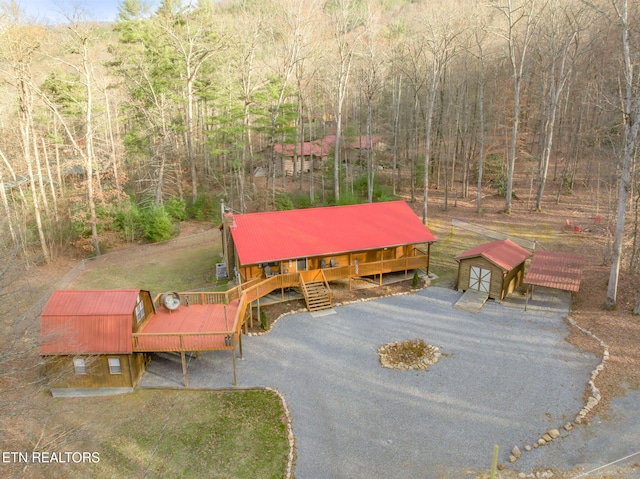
{"x": 255, "y": 289}
{"x": 197, "y": 341}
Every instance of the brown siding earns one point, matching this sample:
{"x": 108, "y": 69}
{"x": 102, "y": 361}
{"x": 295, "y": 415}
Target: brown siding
{"x": 61, "y": 372}
{"x": 345, "y": 259}
{"x": 501, "y": 284}
{"x": 513, "y": 279}
{"x": 146, "y": 298}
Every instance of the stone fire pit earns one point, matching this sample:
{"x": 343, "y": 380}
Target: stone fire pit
{"x": 410, "y": 354}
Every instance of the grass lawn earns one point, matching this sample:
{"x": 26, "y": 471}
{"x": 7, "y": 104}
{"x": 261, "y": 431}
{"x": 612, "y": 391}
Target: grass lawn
{"x": 166, "y": 269}
{"x": 155, "y": 433}
{"x": 177, "y": 433}
{"x": 171, "y": 433}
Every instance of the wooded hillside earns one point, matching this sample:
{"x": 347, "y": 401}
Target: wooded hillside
{"x": 119, "y": 130}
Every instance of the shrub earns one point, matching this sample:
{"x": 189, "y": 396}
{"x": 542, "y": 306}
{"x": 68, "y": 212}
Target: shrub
{"x": 348, "y": 198}
{"x": 416, "y": 279}
{"x": 205, "y": 207}
{"x": 264, "y": 323}
{"x": 157, "y": 225}
{"x": 283, "y": 201}
{"x": 301, "y": 200}
{"x": 177, "y": 209}
{"x": 129, "y": 222}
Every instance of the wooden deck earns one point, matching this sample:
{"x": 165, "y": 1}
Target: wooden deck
{"x": 213, "y": 320}
{"x": 207, "y": 321}
{"x": 197, "y": 327}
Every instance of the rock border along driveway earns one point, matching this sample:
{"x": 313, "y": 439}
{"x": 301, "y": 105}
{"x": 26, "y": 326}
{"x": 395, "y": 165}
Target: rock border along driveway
{"x": 505, "y": 377}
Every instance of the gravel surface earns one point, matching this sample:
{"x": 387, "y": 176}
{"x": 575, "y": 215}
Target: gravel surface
{"x": 506, "y": 376}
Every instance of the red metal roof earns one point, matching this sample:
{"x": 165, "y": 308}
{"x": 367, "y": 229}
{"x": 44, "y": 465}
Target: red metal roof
{"x": 503, "y": 253}
{"x": 323, "y": 147}
{"x": 308, "y": 148}
{"x": 280, "y": 235}
{"x": 88, "y": 322}
{"x": 555, "y": 270}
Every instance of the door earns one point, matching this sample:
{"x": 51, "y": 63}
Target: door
{"x": 301, "y": 264}
{"x": 480, "y": 279}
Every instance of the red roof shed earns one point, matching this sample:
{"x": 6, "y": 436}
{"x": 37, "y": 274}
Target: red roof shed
{"x": 495, "y": 268}
{"x": 89, "y": 322}
{"x": 503, "y": 253}
{"x": 282, "y": 235}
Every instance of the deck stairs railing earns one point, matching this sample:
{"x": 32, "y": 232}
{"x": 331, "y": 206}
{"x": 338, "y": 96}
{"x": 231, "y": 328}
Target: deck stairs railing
{"x": 317, "y": 293}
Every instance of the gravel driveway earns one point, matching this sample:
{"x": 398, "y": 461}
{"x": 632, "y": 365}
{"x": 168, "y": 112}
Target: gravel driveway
{"x": 506, "y": 376}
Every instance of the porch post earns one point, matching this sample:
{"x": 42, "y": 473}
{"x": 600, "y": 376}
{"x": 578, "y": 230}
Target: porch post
{"x": 233, "y": 356}
{"x": 258, "y": 310}
{"x": 350, "y": 268}
{"x": 184, "y": 369}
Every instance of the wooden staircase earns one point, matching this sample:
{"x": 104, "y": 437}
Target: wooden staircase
{"x": 317, "y": 294}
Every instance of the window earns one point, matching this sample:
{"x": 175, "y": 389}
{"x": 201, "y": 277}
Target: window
{"x": 79, "y": 366}
{"x": 114, "y": 366}
{"x": 139, "y": 310}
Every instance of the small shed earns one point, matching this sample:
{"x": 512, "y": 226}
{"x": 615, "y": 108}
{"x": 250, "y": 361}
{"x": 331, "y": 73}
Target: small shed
{"x": 495, "y": 268}
{"x": 86, "y": 342}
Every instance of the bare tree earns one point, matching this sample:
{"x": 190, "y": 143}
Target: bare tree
{"x": 516, "y": 12}
{"x": 479, "y": 31}
{"x": 631, "y": 117}
{"x": 441, "y": 31}
{"x": 370, "y": 75}
{"x": 20, "y": 42}
{"x": 345, "y": 18}
{"x": 189, "y": 33}
{"x": 560, "y": 48}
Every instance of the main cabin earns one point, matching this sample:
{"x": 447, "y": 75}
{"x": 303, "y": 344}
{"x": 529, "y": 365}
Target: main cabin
{"x": 86, "y": 340}
{"x": 337, "y": 242}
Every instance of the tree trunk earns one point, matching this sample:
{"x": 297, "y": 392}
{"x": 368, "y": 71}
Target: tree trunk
{"x": 50, "y": 178}
{"x": 632, "y": 122}
{"x": 397, "y": 95}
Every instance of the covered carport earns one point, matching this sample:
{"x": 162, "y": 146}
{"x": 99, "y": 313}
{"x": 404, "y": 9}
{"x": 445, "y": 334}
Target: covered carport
{"x": 555, "y": 270}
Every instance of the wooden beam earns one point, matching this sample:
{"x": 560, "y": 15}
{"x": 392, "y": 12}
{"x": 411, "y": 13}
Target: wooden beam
{"x": 233, "y": 356}
{"x": 184, "y": 369}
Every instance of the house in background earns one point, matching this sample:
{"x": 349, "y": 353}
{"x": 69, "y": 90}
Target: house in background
{"x": 311, "y": 154}
{"x": 495, "y": 268}
{"x": 86, "y": 340}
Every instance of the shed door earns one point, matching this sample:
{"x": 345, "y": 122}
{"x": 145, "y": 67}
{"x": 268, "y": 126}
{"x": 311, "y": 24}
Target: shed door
{"x": 480, "y": 279}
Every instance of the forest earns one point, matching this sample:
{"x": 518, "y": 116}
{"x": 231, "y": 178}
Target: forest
{"x": 116, "y": 132}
